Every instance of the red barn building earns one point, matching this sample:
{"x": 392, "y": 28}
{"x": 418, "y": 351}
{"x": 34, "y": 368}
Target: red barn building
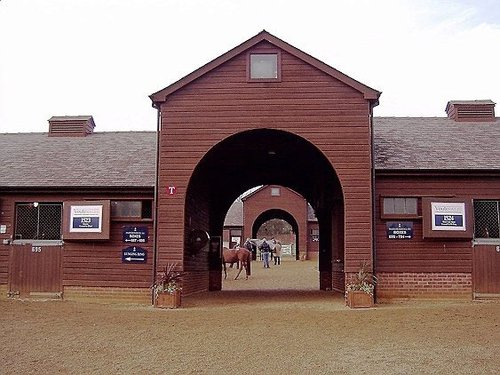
{"x": 248, "y": 214}
{"x": 85, "y": 213}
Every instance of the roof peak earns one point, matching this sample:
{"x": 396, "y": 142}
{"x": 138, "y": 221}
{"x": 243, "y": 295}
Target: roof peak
{"x": 369, "y": 93}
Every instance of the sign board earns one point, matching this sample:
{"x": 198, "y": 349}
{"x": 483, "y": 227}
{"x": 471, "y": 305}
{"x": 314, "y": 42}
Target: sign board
{"x": 135, "y": 234}
{"x": 400, "y": 230}
{"x": 448, "y": 216}
{"x": 236, "y": 240}
{"x": 134, "y": 254}
{"x": 86, "y": 219}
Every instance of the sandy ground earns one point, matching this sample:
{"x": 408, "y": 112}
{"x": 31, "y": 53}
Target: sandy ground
{"x": 274, "y": 323}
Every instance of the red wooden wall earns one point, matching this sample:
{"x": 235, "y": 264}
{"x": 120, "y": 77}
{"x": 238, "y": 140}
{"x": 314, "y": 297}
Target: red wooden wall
{"x": 307, "y": 102}
{"x": 87, "y": 263}
{"x": 428, "y": 255}
{"x": 288, "y": 201}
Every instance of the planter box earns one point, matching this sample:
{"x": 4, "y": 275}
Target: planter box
{"x": 168, "y": 301}
{"x": 356, "y": 299}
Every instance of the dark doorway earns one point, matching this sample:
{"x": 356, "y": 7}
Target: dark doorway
{"x": 262, "y": 157}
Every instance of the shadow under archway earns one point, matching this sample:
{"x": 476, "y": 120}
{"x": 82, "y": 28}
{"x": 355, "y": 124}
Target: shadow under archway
{"x": 264, "y": 157}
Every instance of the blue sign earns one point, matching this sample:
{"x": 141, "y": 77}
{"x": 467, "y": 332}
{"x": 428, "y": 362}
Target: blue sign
{"x": 400, "y": 230}
{"x": 134, "y": 254}
{"x": 448, "y": 220}
{"x": 86, "y": 222}
{"x": 135, "y": 234}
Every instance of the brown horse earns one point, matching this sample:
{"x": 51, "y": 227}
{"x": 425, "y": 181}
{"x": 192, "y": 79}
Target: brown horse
{"x": 239, "y": 254}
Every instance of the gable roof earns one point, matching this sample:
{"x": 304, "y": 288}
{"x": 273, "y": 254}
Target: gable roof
{"x": 250, "y": 193}
{"x": 435, "y": 143}
{"x": 107, "y": 159}
{"x": 368, "y": 92}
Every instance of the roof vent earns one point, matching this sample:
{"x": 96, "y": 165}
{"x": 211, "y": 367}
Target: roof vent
{"x": 471, "y": 110}
{"x": 71, "y": 126}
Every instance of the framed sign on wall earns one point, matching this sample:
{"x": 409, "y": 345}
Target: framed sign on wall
{"x": 84, "y": 220}
{"x": 447, "y": 218}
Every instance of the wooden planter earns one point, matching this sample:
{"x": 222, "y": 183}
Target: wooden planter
{"x": 168, "y": 301}
{"x": 357, "y": 298}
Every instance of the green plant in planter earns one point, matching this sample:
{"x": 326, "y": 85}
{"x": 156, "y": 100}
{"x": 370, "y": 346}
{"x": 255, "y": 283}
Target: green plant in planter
{"x": 169, "y": 280}
{"x": 363, "y": 280}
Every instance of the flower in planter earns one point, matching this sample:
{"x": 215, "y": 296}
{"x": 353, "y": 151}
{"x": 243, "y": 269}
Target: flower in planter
{"x": 363, "y": 280}
{"x": 168, "y": 280}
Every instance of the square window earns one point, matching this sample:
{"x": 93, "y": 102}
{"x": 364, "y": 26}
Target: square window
{"x": 314, "y": 235}
{"x": 132, "y": 209}
{"x": 275, "y": 192}
{"x": 264, "y": 66}
{"x": 38, "y": 221}
{"x": 486, "y": 219}
{"x": 399, "y": 207}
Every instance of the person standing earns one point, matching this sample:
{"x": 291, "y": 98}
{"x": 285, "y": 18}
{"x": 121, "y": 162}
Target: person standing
{"x": 250, "y": 247}
{"x": 277, "y": 253}
{"x": 265, "y": 250}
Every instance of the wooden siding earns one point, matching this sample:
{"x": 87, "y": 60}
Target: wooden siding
{"x": 35, "y": 270}
{"x": 312, "y": 246}
{"x": 307, "y": 102}
{"x": 486, "y": 273}
{"x": 6, "y": 218}
{"x": 429, "y": 255}
{"x": 87, "y": 263}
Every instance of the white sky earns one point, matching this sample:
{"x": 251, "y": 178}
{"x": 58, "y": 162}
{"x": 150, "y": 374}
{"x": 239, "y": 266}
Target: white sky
{"x": 105, "y": 57}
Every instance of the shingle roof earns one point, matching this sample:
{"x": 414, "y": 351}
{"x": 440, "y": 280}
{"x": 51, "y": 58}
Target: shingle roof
{"x": 435, "y": 143}
{"x": 72, "y": 118}
{"x": 472, "y": 102}
{"x": 127, "y": 159}
{"x": 107, "y": 159}
{"x": 234, "y": 216}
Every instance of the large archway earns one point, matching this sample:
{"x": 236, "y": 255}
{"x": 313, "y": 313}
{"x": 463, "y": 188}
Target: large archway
{"x": 261, "y": 157}
{"x": 222, "y": 132}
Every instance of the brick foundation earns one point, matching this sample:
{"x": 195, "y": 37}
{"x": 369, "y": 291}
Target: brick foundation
{"x": 424, "y": 285}
{"x": 113, "y": 295}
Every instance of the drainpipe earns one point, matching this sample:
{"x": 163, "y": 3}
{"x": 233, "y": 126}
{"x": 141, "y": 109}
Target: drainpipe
{"x": 374, "y": 235}
{"x": 156, "y": 194}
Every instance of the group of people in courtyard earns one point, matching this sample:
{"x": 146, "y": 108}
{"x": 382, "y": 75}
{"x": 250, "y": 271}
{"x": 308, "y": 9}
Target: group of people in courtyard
{"x": 267, "y": 252}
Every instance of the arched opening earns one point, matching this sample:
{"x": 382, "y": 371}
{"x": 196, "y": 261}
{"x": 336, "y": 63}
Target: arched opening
{"x": 263, "y": 157}
{"x": 271, "y": 214}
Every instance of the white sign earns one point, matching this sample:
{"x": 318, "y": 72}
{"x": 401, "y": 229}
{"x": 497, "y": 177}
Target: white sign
{"x": 448, "y": 216}
{"x": 86, "y": 219}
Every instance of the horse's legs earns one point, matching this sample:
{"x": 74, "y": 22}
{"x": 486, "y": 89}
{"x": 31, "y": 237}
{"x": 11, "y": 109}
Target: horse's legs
{"x": 225, "y": 272}
{"x": 246, "y": 264}
{"x": 239, "y": 271}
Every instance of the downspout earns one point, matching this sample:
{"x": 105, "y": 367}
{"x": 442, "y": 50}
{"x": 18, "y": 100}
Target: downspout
{"x": 374, "y": 236}
{"x": 156, "y": 194}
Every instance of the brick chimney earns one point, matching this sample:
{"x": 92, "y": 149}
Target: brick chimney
{"x": 471, "y": 110}
{"x": 71, "y": 126}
